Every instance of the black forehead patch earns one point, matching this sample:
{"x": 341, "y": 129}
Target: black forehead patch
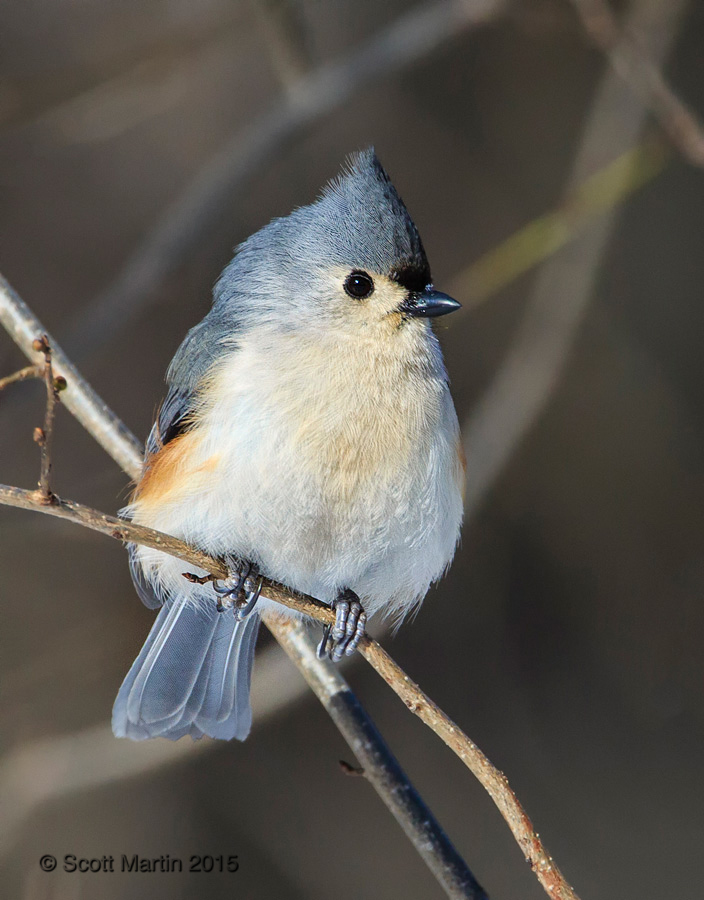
{"x": 413, "y": 276}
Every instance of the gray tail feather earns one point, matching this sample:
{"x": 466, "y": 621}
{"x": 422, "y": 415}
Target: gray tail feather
{"x": 192, "y": 676}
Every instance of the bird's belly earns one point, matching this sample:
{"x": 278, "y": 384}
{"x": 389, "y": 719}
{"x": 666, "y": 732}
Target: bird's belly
{"x": 321, "y": 534}
{"x": 384, "y": 537}
{"x": 361, "y": 503}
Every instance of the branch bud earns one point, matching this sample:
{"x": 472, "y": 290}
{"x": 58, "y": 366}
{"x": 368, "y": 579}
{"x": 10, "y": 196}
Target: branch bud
{"x": 41, "y": 344}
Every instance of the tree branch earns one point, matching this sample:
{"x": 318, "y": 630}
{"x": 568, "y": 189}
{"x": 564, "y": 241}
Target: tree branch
{"x": 45, "y": 436}
{"x": 415, "y": 699}
{"x": 381, "y": 769}
{"x": 564, "y": 285}
{"x": 633, "y": 63}
{"x": 125, "y": 531}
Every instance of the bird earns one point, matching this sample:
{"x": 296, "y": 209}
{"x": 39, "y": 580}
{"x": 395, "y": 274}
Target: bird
{"x": 308, "y": 436}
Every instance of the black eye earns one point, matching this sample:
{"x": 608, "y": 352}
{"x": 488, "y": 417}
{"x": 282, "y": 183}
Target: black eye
{"x": 359, "y": 285}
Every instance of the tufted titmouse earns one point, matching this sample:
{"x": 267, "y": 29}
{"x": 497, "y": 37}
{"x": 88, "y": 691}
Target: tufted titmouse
{"x": 308, "y": 429}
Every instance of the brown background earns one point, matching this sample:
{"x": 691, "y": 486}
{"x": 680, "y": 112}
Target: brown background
{"x": 566, "y": 639}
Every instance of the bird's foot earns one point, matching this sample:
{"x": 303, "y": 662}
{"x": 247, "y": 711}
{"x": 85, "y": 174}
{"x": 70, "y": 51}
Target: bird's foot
{"x": 240, "y": 590}
{"x": 342, "y": 638}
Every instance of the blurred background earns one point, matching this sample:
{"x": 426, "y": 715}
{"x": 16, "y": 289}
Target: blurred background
{"x": 560, "y": 200}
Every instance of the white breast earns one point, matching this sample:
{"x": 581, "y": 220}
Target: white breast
{"x": 331, "y": 465}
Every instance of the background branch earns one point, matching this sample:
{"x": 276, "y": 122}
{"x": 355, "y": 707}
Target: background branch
{"x": 604, "y": 191}
{"x": 565, "y": 284}
{"x": 287, "y": 38}
{"x": 408, "y": 39}
{"x": 631, "y": 60}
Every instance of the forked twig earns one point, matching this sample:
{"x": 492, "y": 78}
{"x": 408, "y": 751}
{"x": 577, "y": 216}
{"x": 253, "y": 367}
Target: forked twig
{"x": 42, "y": 436}
{"x": 79, "y": 397}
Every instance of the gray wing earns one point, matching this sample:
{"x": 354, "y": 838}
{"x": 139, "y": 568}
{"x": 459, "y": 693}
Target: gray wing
{"x": 193, "y": 674}
{"x": 199, "y": 351}
{"x": 171, "y": 421}
{"x": 203, "y": 346}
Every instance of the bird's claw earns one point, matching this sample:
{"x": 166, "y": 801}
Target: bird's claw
{"x": 240, "y": 590}
{"x": 252, "y": 588}
{"x": 342, "y": 638}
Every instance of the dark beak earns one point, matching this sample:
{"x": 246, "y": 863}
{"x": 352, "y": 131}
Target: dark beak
{"x": 427, "y": 304}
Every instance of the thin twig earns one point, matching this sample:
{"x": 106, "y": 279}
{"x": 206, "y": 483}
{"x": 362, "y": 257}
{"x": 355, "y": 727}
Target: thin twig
{"x": 45, "y": 436}
{"x": 492, "y": 779}
{"x": 22, "y": 375}
{"x": 632, "y": 62}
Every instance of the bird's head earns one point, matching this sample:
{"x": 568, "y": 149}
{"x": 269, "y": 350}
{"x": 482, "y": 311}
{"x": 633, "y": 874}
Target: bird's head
{"x": 352, "y": 260}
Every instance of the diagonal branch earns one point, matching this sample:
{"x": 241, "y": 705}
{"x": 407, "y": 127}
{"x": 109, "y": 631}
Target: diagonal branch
{"x": 630, "y": 59}
{"x": 382, "y": 770}
{"x": 415, "y": 699}
{"x": 563, "y": 287}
